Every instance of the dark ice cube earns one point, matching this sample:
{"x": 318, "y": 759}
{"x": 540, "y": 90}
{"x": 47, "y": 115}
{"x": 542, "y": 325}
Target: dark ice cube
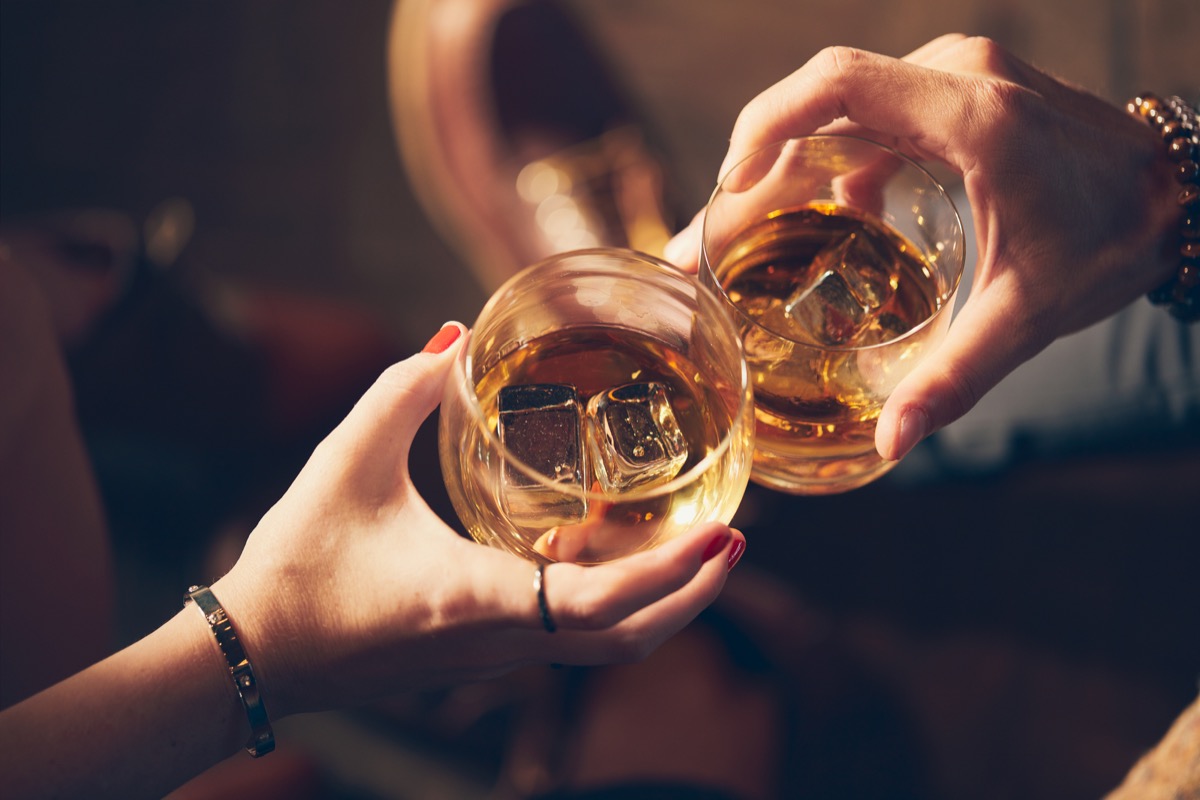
{"x": 542, "y": 426}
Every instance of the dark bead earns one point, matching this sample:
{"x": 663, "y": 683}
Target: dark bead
{"x": 1188, "y": 276}
{"x": 1171, "y": 128}
{"x": 1187, "y": 171}
{"x": 1181, "y": 149}
{"x": 1189, "y": 195}
{"x": 1189, "y": 226}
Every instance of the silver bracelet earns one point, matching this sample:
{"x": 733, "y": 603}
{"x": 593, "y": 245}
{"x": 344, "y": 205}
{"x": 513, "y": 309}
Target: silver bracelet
{"x": 262, "y": 738}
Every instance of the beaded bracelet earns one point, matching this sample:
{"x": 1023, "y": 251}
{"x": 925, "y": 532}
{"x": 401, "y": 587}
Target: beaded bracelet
{"x": 1177, "y": 123}
{"x": 262, "y": 738}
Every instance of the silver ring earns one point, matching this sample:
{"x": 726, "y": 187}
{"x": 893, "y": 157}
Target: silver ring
{"x": 539, "y": 587}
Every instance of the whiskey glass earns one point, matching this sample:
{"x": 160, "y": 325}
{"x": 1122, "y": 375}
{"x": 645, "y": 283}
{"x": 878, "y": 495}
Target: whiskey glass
{"x": 600, "y": 407}
{"x": 840, "y": 259}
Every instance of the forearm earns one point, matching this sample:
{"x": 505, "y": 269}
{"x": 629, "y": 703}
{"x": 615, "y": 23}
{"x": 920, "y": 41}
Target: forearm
{"x": 1172, "y": 769}
{"x": 54, "y": 548}
{"x": 137, "y": 724}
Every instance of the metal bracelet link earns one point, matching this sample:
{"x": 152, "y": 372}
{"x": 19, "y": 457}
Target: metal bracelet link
{"x": 241, "y": 671}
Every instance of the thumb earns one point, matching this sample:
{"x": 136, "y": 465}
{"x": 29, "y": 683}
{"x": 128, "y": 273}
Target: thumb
{"x": 948, "y": 384}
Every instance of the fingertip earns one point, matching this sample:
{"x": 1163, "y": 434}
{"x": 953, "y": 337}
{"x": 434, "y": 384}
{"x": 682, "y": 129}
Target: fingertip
{"x": 446, "y": 336}
{"x": 737, "y": 550}
{"x": 898, "y": 431}
{"x": 716, "y": 544}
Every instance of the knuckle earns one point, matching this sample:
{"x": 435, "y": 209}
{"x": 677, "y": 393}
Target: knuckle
{"x": 835, "y": 68}
{"x": 986, "y": 57}
{"x": 836, "y": 61}
{"x": 986, "y": 52}
{"x": 826, "y": 74}
{"x": 999, "y": 90}
{"x": 948, "y": 39}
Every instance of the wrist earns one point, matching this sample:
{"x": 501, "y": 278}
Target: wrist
{"x": 240, "y": 668}
{"x": 258, "y": 682}
{"x": 283, "y": 652}
{"x": 209, "y": 679}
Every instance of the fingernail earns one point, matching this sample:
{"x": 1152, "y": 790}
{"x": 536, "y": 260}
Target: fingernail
{"x": 443, "y": 339}
{"x": 735, "y": 552}
{"x": 914, "y": 425}
{"x": 715, "y": 546}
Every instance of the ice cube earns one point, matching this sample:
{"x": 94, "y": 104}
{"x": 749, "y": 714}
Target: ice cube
{"x": 885, "y": 328}
{"x": 852, "y": 282}
{"x": 633, "y": 437}
{"x": 542, "y": 426}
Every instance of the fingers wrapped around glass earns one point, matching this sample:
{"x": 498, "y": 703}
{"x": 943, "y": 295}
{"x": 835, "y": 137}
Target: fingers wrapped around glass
{"x": 840, "y": 260}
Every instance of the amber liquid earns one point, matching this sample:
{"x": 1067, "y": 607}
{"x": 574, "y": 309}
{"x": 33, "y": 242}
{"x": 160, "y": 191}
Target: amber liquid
{"x": 710, "y": 413}
{"x": 816, "y": 406}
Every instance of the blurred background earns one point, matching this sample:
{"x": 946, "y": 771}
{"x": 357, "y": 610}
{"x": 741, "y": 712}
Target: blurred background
{"x": 266, "y": 257}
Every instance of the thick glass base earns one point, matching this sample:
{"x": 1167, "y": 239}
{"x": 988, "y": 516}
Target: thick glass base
{"x": 816, "y": 476}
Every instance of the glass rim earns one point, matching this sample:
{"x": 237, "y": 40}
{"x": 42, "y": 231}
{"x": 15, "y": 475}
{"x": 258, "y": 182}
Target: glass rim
{"x": 463, "y": 366}
{"x": 944, "y": 301}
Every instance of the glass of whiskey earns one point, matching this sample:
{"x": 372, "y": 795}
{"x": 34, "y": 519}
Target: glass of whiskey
{"x": 840, "y": 259}
{"x": 601, "y": 406}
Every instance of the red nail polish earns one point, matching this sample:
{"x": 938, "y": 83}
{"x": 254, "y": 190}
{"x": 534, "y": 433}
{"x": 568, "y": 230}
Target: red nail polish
{"x": 443, "y": 339}
{"x": 735, "y": 552}
{"x": 715, "y": 546}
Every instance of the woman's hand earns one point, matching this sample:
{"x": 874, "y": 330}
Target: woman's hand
{"x": 351, "y": 587}
{"x": 1072, "y": 198}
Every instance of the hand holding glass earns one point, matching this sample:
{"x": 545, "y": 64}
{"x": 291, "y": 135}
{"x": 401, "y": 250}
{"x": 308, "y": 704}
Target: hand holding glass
{"x": 601, "y": 407}
{"x": 840, "y": 259}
